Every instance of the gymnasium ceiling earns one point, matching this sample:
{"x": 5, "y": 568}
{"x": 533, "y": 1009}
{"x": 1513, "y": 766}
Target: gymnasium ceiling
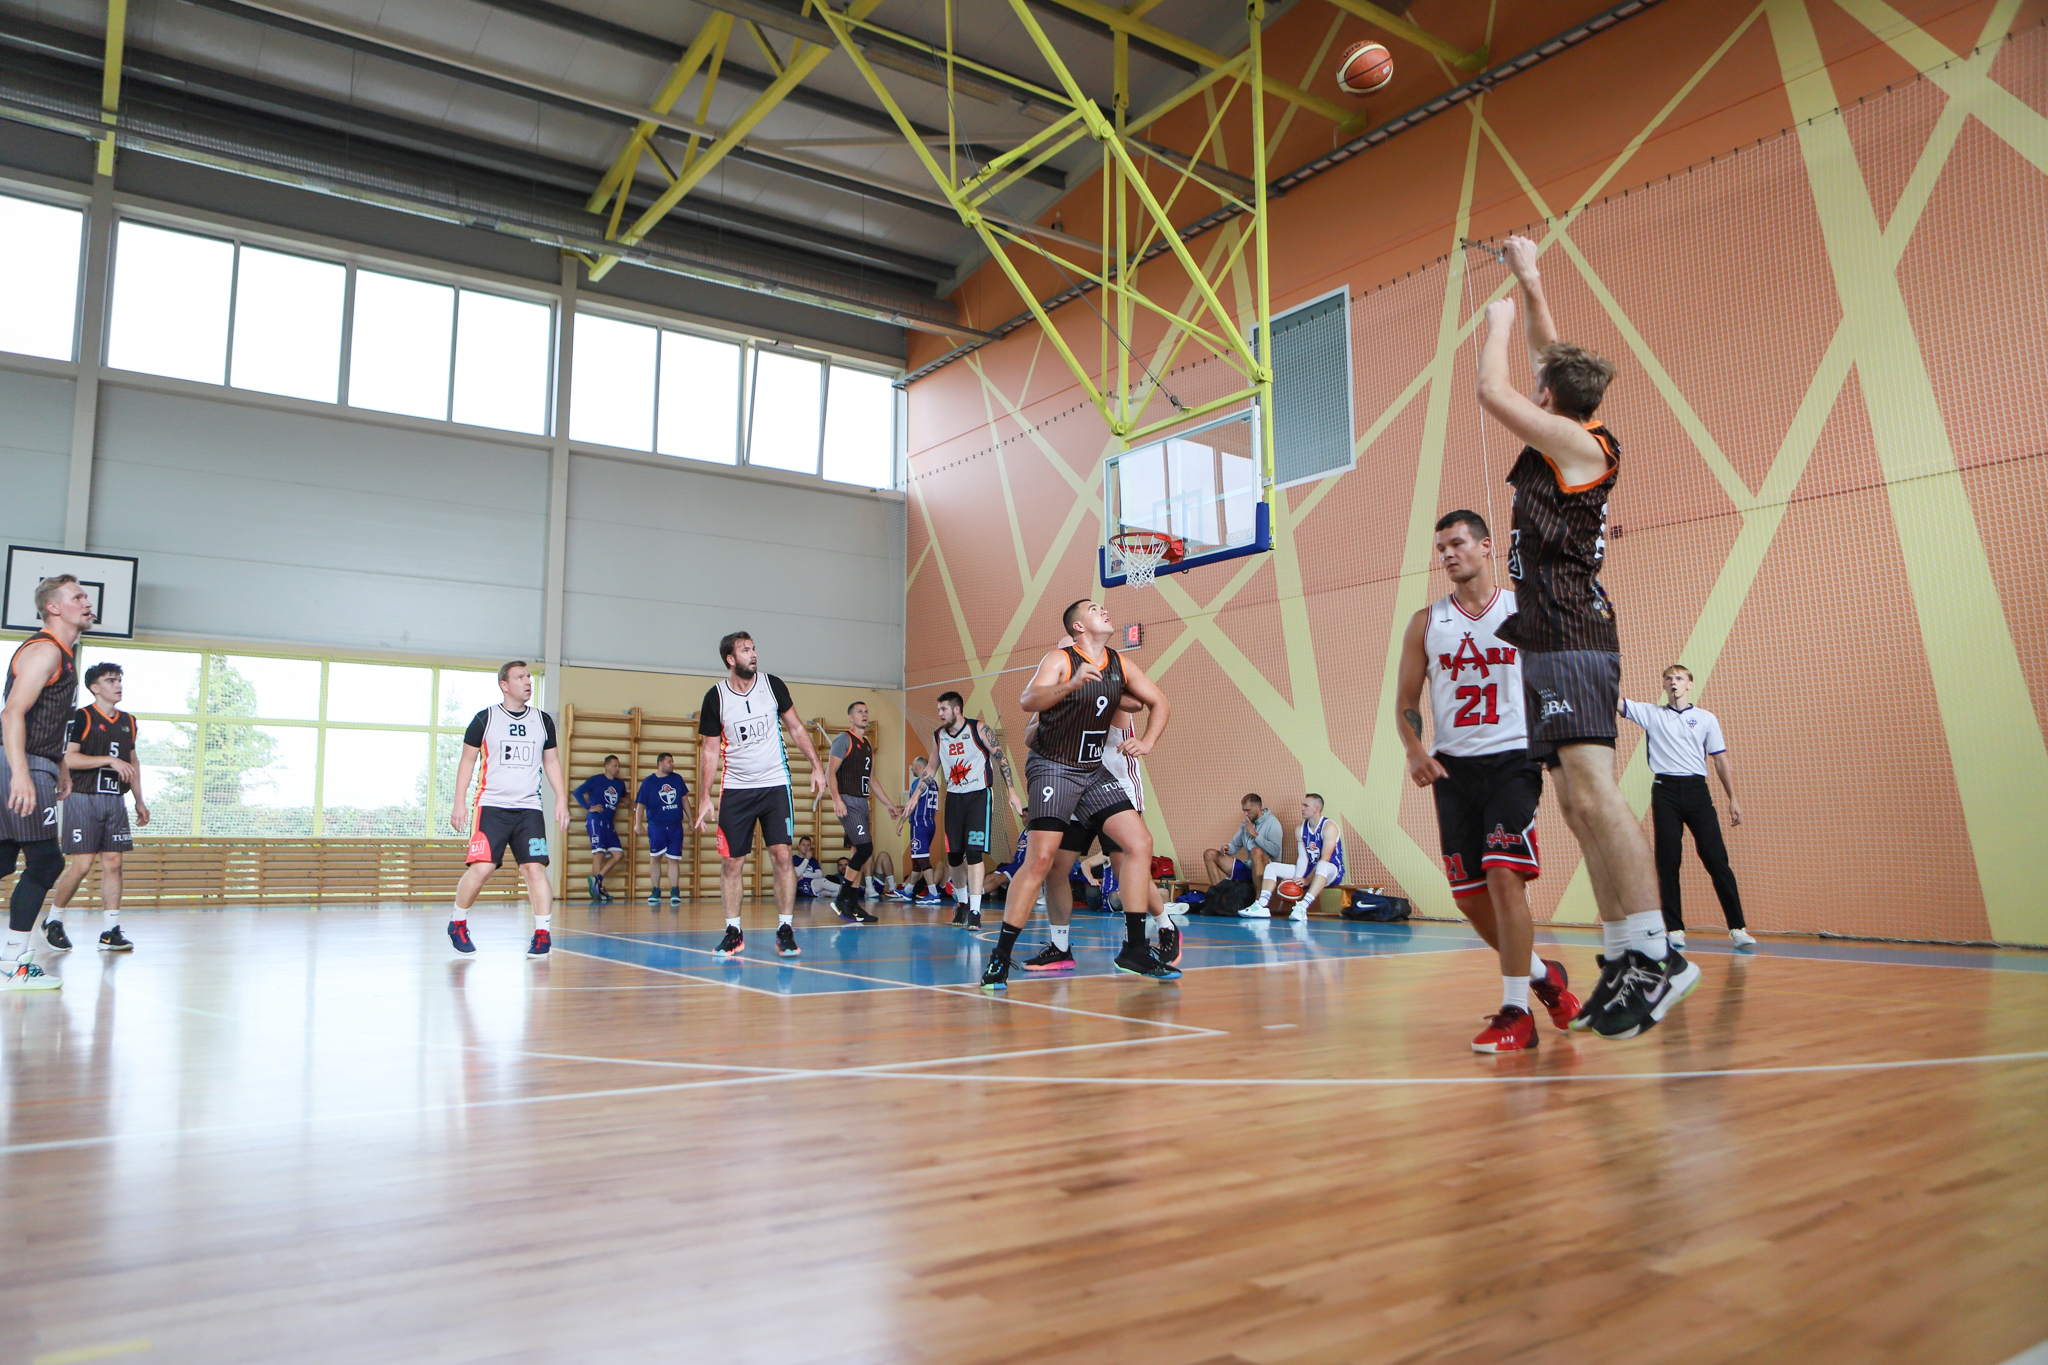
{"x": 512, "y": 111}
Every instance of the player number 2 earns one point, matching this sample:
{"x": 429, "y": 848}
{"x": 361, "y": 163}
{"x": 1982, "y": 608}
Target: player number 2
{"x": 1472, "y": 696}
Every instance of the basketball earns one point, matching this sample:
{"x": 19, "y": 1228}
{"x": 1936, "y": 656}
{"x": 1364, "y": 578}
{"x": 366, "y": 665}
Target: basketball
{"x": 1291, "y": 890}
{"x": 1364, "y": 68}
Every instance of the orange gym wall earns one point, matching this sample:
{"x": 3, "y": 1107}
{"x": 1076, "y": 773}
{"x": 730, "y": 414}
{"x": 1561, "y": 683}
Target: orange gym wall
{"x": 1830, "y": 402}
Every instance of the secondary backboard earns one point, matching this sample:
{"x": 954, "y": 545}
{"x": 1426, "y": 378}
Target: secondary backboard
{"x": 1201, "y": 486}
{"x": 109, "y": 578}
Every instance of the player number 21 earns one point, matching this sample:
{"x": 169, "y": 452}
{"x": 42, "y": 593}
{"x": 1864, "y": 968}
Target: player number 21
{"x": 1472, "y": 696}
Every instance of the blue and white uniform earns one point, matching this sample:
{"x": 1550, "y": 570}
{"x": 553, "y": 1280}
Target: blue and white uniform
{"x": 924, "y": 815}
{"x": 663, "y": 799}
{"x": 600, "y": 797}
{"x": 1320, "y": 851}
{"x": 811, "y": 881}
{"x": 1016, "y": 859}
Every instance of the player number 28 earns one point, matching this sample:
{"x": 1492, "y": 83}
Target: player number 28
{"x": 1468, "y": 714}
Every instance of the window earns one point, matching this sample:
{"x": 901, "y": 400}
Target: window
{"x": 783, "y": 432}
{"x": 503, "y": 357}
{"x": 700, "y": 398}
{"x": 39, "y": 307}
{"x": 860, "y": 428}
{"x": 170, "y": 303}
{"x": 258, "y": 746}
{"x": 288, "y": 325}
{"x": 611, "y": 400}
{"x": 400, "y": 345}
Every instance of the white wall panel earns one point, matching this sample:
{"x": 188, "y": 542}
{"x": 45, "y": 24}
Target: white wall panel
{"x": 35, "y": 457}
{"x": 665, "y": 559}
{"x": 266, "y": 524}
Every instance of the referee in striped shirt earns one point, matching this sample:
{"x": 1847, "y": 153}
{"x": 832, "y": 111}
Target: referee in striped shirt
{"x": 1682, "y": 740}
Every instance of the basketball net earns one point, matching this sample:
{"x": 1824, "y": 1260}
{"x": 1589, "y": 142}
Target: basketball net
{"x": 1142, "y": 557}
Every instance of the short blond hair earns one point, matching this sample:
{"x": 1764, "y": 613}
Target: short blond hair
{"x": 1680, "y": 668}
{"x": 46, "y": 591}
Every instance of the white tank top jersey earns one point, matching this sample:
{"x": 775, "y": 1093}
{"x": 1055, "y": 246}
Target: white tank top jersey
{"x": 511, "y": 747}
{"x": 1475, "y": 679}
{"x": 1128, "y": 771}
{"x": 749, "y": 724}
{"x": 962, "y": 759}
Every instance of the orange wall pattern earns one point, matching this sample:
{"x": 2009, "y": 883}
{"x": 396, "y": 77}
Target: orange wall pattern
{"x": 1822, "y": 289}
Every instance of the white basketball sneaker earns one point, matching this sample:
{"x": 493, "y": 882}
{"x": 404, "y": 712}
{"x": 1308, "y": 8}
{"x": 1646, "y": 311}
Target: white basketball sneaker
{"x": 1742, "y": 939}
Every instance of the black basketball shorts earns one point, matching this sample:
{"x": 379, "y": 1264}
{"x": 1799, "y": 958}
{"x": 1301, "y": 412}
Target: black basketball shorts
{"x": 498, "y": 828}
{"x": 40, "y": 823}
{"x": 967, "y": 826}
{"x": 1061, "y": 796}
{"x": 1486, "y": 816}
{"x": 1571, "y": 697}
{"x": 739, "y": 811}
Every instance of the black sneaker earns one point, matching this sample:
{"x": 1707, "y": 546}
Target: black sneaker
{"x": 1168, "y": 950}
{"x": 114, "y": 941}
{"x": 1646, "y": 991}
{"x": 846, "y": 905}
{"x": 53, "y": 930}
{"x": 785, "y": 940}
{"x": 458, "y": 934}
{"x": 1051, "y": 959}
{"x": 541, "y": 945}
{"x": 654, "y": 899}
{"x": 860, "y": 912}
{"x": 730, "y": 945}
{"x": 974, "y": 919}
{"x": 1603, "y": 990}
{"x": 959, "y": 915}
{"x": 675, "y": 896}
{"x": 1134, "y": 961}
{"x": 996, "y": 975}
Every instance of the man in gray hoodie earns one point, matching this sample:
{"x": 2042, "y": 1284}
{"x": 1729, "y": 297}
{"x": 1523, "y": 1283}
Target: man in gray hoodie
{"x": 1256, "y": 843}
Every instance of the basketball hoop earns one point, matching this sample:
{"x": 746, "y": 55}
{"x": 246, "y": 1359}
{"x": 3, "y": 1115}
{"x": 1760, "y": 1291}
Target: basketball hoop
{"x": 1142, "y": 552}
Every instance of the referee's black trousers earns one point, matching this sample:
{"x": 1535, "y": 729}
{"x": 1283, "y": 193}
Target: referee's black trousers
{"x": 1676, "y": 805}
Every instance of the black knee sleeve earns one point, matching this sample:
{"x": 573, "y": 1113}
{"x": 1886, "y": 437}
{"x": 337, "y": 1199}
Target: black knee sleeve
{"x": 861, "y": 854}
{"x": 45, "y": 865}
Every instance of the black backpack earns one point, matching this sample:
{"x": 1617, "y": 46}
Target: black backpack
{"x": 1226, "y": 898}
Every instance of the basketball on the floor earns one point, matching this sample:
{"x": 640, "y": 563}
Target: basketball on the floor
{"x": 1364, "y": 68}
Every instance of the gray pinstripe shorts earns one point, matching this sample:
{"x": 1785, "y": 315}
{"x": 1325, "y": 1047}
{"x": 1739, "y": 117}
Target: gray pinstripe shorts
{"x": 1571, "y": 696}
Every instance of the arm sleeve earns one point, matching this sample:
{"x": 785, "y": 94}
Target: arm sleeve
{"x": 1631, "y": 710}
{"x": 841, "y": 745}
{"x": 1301, "y": 867}
{"x": 709, "y": 721}
{"x": 474, "y": 735}
{"x": 1269, "y": 834}
{"x": 583, "y": 792}
{"x": 783, "y": 701}
{"x": 74, "y": 729}
{"x": 646, "y": 783}
{"x": 1713, "y": 740}
{"x": 548, "y": 722}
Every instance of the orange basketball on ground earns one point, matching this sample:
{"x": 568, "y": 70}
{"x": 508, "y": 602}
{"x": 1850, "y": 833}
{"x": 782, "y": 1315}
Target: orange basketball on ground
{"x": 1364, "y": 68}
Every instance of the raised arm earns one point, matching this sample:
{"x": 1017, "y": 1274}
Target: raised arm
{"x": 1540, "y": 329}
{"x": 1578, "y": 458}
{"x": 1136, "y": 684}
{"x": 1423, "y": 769}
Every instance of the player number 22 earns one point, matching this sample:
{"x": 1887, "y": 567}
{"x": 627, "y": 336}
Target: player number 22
{"x": 1468, "y": 714}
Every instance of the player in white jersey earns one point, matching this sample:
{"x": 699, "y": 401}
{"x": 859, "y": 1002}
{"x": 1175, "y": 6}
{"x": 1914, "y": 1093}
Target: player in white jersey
{"x": 1318, "y": 860}
{"x": 740, "y": 731}
{"x": 964, "y": 752}
{"x": 514, "y": 743}
{"x": 1479, "y": 770}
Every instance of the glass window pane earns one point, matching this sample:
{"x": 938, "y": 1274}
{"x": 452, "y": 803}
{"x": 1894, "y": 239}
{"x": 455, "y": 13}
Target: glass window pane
{"x": 39, "y": 307}
{"x": 379, "y": 694}
{"x": 288, "y": 325}
{"x": 398, "y": 350}
{"x": 273, "y": 689}
{"x": 611, "y": 395}
{"x": 170, "y": 310}
{"x": 785, "y": 420}
{"x": 700, "y": 398}
{"x": 166, "y": 753}
{"x": 463, "y": 694}
{"x": 447, "y": 754}
{"x": 153, "y": 680}
{"x": 258, "y": 779}
{"x": 375, "y": 783}
{"x": 860, "y": 428}
{"x": 501, "y": 362}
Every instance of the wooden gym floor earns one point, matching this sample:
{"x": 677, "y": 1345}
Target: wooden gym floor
{"x": 285, "y": 1136}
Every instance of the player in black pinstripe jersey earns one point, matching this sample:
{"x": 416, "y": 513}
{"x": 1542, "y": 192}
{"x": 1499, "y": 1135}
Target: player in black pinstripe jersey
{"x": 1571, "y": 649}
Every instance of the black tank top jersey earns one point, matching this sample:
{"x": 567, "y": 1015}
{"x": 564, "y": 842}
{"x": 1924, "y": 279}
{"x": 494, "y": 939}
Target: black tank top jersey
{"x": 1560, "y": 538}
{"x": 1072, "y": 732}
{"x": 856, "y": 767}
{"x": 98, "y": 737}
{"x": 49, "y": 715}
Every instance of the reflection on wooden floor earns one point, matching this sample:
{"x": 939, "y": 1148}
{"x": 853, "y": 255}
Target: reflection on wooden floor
{"x": 281, "y": 1136}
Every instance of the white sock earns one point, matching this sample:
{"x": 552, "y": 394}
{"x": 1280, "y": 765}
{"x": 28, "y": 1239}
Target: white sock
{"x": 1537, "y": 971}
{"x": 1613, "y": 937}
{"x": 786, "y": 919}
{"x": 542, "y": 921}
{"x": 1646, "y": 934}
{"x": 53, "y": 914}
{"x": 17, "y": 946}
{"x": 1514, "y": 990}
{"x": 732, "y": 921}
{"x": 461, "y": 916}
{"x": 1266, "y": 893}
{"x": 1060, "y": 934}
{"x": 974, "y": 903}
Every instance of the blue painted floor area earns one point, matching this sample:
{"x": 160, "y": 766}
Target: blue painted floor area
{"x": 895, "y": 956}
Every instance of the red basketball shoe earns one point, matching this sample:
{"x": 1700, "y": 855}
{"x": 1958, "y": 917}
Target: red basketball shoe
{"x": 1512, "y": 1030}
{"x": 1561, "y": 1003}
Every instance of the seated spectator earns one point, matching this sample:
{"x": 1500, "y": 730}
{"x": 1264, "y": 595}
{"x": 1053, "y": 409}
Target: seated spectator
{"x": 1256, "y": 843}
{"x": 811, "y": 882}
{"x": 992, "y": 886}
{"x": 1319, "y": 848}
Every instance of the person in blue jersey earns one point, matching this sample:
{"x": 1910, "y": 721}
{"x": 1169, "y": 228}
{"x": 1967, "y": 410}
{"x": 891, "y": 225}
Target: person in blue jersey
{"x": 659, "y": 810}
{"x": 600, "y": 796}
{"x": 921, "y": 809}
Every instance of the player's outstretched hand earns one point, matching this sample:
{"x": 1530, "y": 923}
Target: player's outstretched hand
{"x": 1521, "y": 254}
{"x": 1424, "y": 770}
{"x": 1500, "y": 315}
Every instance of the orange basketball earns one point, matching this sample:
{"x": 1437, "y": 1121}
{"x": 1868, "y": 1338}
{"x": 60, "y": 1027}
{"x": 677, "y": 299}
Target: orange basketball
{"x": 1364, "y": 68}
{"x": 1291, "y": 890}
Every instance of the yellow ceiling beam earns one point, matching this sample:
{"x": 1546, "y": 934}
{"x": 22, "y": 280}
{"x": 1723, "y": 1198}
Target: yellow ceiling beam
{"x": 110, "y": 79}
{"x": 1407, "y": 29}
{"x": 620, "y": 176}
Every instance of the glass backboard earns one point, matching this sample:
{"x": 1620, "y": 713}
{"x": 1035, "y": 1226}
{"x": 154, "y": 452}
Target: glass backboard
{"x": 1201, "y": 486}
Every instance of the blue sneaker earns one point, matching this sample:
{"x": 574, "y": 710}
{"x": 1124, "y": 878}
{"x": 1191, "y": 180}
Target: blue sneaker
{"x": 540, "y": 945}
{"x": 458, "y": 934}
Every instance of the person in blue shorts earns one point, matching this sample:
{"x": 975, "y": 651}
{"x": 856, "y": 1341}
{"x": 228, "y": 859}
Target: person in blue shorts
{"x": 600, "y": 796}
{"x": 659, "y": 810}
{"x": 921, "y": 808}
